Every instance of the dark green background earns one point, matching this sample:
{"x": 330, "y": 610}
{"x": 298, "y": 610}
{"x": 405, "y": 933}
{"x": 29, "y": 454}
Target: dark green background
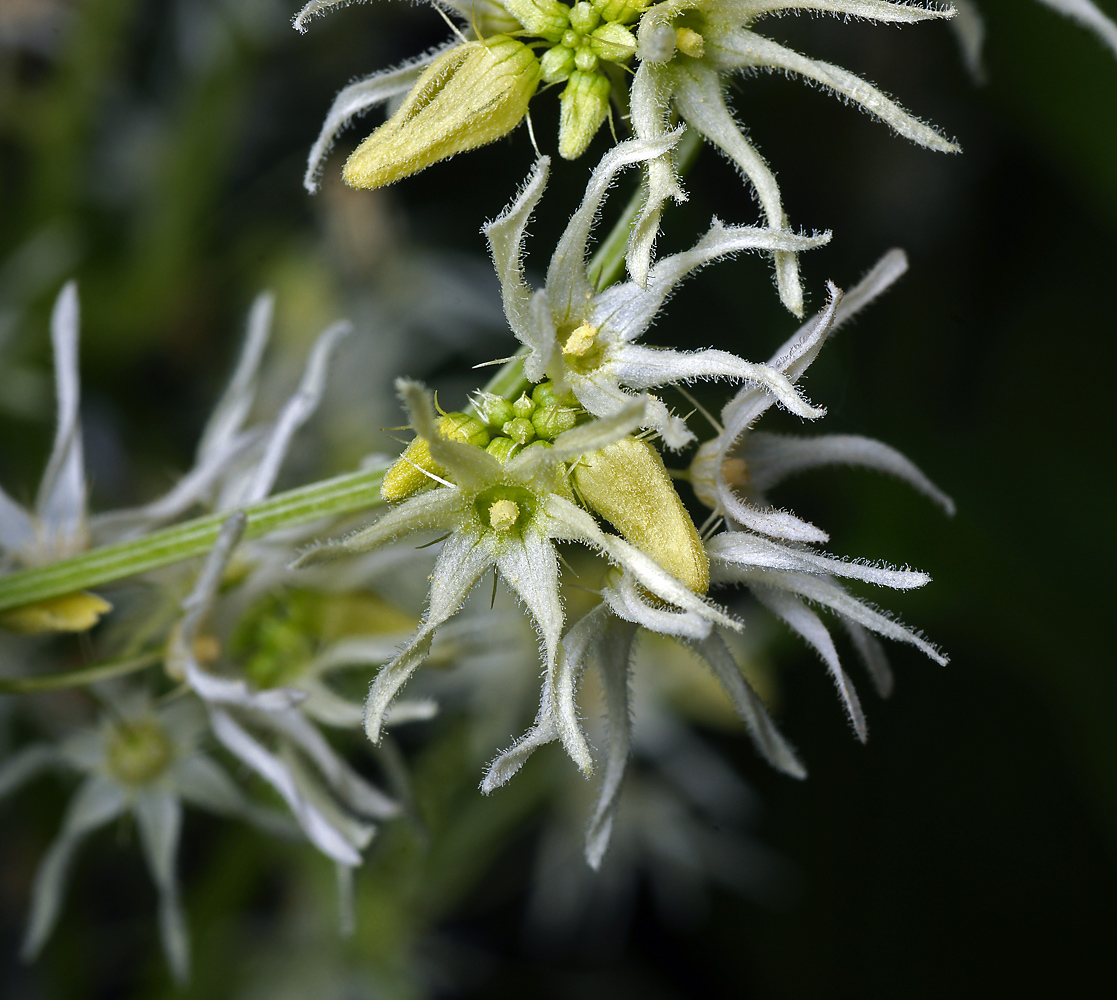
{"x": 969, "y": 849}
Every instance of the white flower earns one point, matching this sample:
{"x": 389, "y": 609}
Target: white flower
{"x": 584, "y": 340}
{"x": 687, "y": 49}
{"x": 970, "y": 28}
{"x": 143, "y": 761}
{"x": 770, "y": 550}
{"x": 507, "y": 517}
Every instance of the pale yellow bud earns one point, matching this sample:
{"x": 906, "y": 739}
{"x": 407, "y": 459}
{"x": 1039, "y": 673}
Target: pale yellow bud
{"x": 468, "y": 97}
{"x": 584, "y": 105}
{"x": 408, "y": 475}
{"x": 628, "y": 485}
{"x": 76, "y": 612}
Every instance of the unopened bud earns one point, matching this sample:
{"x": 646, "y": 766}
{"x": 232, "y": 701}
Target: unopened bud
{"x": 621, "y": 11}
{"x": 468, "y": 97}
{"x": 557, "y": 64}
{"x": 546, "y": 18}
{"x": 409, "y": 474}
{"x": 628, "y": 485}
{"x": 613, "y": 43}
{"x": 76, "y": 612}
{"x": 584, "y": 105}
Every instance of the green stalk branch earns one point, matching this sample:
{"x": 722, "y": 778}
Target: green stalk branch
{"x": 342, "y": 495}
{"x": 80, "y": 677}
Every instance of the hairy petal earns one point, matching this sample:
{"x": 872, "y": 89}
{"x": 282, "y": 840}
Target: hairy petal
{"x": 614, "y": 654}
{"x": 1089, "y": 15}
{"x": 461, "y": 563}
{"x": 627, "y": 602}
{"x": 767, "y": 739}
{"x": 773, "y": 457}
{"x": 873, "y": 655}
{"x": 803, "y": 621}
{"x": 506, "y": 245}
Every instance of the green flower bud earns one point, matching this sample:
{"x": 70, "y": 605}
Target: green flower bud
{"x": 628, "y": 485}
{"x": 620, "y": 11}
{"x": 583, "y": 18}
{"x": 546, "y": 18}
{"x": 407, "y": 476}
{"x": 557, "y": 64}
{"x": 550, "y": 421}
{"x": 584, "y": 105}
{"x": 495, "y": 410}
{"x": 524, "y": 406}
{"x": 471, "y": 95}
{"x": 502, "y": 449}
{"x": 521, "y": 430}
{"x": 613, "y": 43}
{"x": 585, "y": 60}
{"x": 544, "y": 394}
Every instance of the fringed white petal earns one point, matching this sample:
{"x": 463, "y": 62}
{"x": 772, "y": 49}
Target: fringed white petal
{"x": 26, "y": 764}
{"x": 201, "y": 782}
{"x": 568, "y": 288}
{"x": 886, "y": 11}
{"x": 805, "y": 623}
{"x": 506, "y": 245}
{"x": 640, "y": 367}
{"x": 614, "y": 652}
{"x": 969, "y": 30}
{"x": 741, "y": 548}
{"x": 462, "y": 561}
{"x": 543, "y": 731}
{"x": 97, "y": 802}
{"x": 592, "y": 436}
{"x": 601, "y": 396}
{"x": 358, "y": 98}
{"x": 578, "y": 646}
{"x": 771, "y": 458}
{"x": 745, "y": 49}
{"x": 699, "y": 98}
{"x": 627, "y": 602}
{"x": 767, "y": 520}
{"x": 159, "y": 818}
{"x": 767, "y": 739}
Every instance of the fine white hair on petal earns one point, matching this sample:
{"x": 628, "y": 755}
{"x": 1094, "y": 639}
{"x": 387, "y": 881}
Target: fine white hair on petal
{"x": 296, "y": 411}
{"x": 741, "y": 548}
{"x": 626, "y": 602}
{"x": 505, "y": 235}
{"x": 773, "y": 457}
{"x": 461, "y": 563}
{"x": 767, "y": 739}
{"x": 755, "y": 50}
{"x": 97, "y": 802}
{"x": 614, "y": 653}
{"x": 803, "y": 621}
{"x": 159, "y": 818}
{"x": 358, "y": 98}
{"x": 699, "y": 98}
{"x": 577, "y": 647}
{"x": 313, "y": 9}
{"x": 508, "y": 762}
{"x": 60, "y": 502}
{"x": 568, "y": 286}
{"x": 888, "y": 11}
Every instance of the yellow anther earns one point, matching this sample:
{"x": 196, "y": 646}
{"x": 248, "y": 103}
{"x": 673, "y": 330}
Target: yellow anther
{"x": 580, "y": 341}
{"x": 690, "y": 43}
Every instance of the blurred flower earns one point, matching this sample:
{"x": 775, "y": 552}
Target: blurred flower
{"x": 769, "y": 550}
{"x": 970, "y": 28}
{"x": 584, "y": 341}
{"x": 687, "y": 49}
{"x": 146, "y": 762}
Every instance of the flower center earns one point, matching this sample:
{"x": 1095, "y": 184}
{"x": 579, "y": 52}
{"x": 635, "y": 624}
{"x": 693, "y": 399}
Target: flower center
{"x": 506, "y": 509}
{"x": 138, "y": 752}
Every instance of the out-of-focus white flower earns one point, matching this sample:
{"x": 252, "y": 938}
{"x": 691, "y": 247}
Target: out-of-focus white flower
{"x": 688, "y": 48}
{"x": 970, "y": 27}
{"x": 584, "y": 340}
{"x": 146, "y": 762}
{"x": 770, "y": 550}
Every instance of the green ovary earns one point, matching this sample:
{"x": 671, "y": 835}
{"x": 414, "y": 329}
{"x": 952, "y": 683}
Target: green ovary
{"x": 138, "y": 752}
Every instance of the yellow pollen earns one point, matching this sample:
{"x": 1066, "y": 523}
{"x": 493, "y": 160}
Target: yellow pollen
{"x": 580, "y": 341}
{"x": 504, "y": 514}
{"x": 690, "y": 43}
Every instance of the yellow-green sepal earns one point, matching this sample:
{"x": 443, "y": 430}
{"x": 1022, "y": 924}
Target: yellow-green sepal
{"x": 584, "y": 105}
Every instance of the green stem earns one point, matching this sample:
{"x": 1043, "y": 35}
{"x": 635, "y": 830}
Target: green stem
{"x": 342, "y": 495}
{"x": 80, "y": 677}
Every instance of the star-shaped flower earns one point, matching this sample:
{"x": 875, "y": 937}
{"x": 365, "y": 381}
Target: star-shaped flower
{"x": 688, "y": 49}
{"x": 584, "y": 340}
